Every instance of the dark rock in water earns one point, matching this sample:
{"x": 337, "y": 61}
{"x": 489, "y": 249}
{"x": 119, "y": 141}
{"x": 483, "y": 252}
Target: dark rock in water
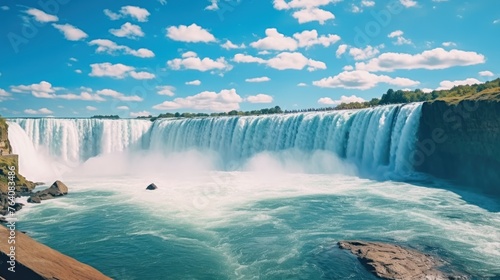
{"x": 34, "y": 199}
{"x": 57, "y": 189}
{"x": 151, "y": 187}
{"x": 390, "y": 261}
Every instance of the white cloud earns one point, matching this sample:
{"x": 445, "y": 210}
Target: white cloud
{"x": 367, "y": 3}
{"x": 91, "y": 108}
{"x": 213, "y": 5}
{"x": 70, "y": 32}
{"x": 119, "y": 96}
{"x": 363, "y": 54}
{"x": 343, "y": 99}
{"x": 283, "y": 61}
{"x": 228, "y": 45}
{"x": 258, "y": 80}
{"x": 315, "y": 14}
{"x": 431, "y": 59}
{"x": 122, "y": 108}
{"x": 128, "y": 30}
{"x": 42, "y": 111}
{"x": 341, "y": 50}
{"x": 139, "y": 14}
{"x": 4, "y": 95}
{"x": 73, "y": 59}
{"x": 5, "y": 8}
{"x": 275, "y": 41}
{"x": 142, "y": 75}
{"x": 107, "y": 69}
{"x": 450, "y": 84}
{"x": 118, "y": 71}
{"x": 496, "y": 21}
{"x": 408, "y": 3}
{"x": 191, "y": 34}
{"x": 194, "y": 83}
{"x": 191, "y": 61}
{"x": 85, "y": 96}
{"x": 309, "y": 38}
{"x": 486, "y": 74}
{"x": 400, "y": 40}
{"x": 78, "y": 71}
{"x": 41, "y": 16}
{"x": 108, "y": 46}
{"x": 300, "y": 4}
{"x": 225, "y": 100}
{"x": 362, "y": 80}
{"x": 165, "y": 90}
{"x": 140, "y": 114}
{"x": 449, "y": 44}
{"x": 302, "y": 85}
{"x": 260, "y": 98}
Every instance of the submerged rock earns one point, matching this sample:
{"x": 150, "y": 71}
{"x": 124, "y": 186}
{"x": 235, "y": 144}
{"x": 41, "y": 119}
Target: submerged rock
{"x": 390, "y": 261}
{"x": 151, "y": 187}
{"x": 57, "y": 189}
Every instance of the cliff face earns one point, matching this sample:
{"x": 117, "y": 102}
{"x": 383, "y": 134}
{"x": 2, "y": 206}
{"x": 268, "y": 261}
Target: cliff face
{"x": 37, "y": 261}
{"x": 461, "y": 142}
{"x": 5, "y": 147}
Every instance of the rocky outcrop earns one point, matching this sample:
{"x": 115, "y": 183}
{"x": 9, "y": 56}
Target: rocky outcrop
{"x": 57, "y": 189}
{"x": 151, "y": 187}
{"x": 390, "y": 261}
{"x": 37, "y": 261}
{"x": 461, "y": 142}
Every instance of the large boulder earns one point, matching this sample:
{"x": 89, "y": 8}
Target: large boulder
{"x": 151, "y": 187}
{"x": 57, "y": 189}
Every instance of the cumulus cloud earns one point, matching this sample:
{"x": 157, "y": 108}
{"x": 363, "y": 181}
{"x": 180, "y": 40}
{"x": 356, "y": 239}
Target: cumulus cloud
{"x": 191, "y": 61}
{"x": 341, "y": 50}
{"x": 194, "y": 83}
{"x": 119, "y": 96}
{"x": 283, "y": 61}
{"x": 165, "y": 90}
{"x": 431, "y": 59}
{"x": 444, "y": 85}
{"x": 302, "y": 85}
{"x": 343, "y": 99}
{"x": 258, "y": 80}
{"x": 42, "y": 111}
{"x": 91, "y": 108}
{"x": 225, "y": 100}
{"x": 4, "y": 95}
{"x": 486, "y": 74}
{"x": 41, "y": 16}
{"x": 108, "y": 46}
{"x": 305, "y": 39}
{"x": 449, "y": 44}
{"x": 400, "y": 40}
{"x": 408, "y": 3}
{"x": 137, "y": 13}
{"x": 307, "y": 10}
{"x": 363, "y": 54}
{"x": 191, "y": 34}
{"x": 128, "y": 30}
{"x": 228, "y": 45}
{"x": 118, "y": 71}
{"x": 362, "y": 80}
{"x": 46, "y": 90}
{"x": 70, "y": 32}
{"x": 260, "y": 98}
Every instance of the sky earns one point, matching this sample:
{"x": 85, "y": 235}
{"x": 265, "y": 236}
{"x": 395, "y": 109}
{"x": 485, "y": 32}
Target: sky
{"x": 68, "y": 58}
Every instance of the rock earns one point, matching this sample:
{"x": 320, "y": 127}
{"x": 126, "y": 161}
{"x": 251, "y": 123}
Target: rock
{"x": 37, "y": 261}
{"x": 390, "y": 261}
{"x": 3, "y": 220}
{"x": 58, "y": 189}
{"x": 151, "y": 187}
{"x": 34, "y": 199}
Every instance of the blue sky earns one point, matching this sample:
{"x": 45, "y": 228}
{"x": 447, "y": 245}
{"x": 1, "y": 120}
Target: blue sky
{"x": 70, "y": 58}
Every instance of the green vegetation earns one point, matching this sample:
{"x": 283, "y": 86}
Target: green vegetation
{"x": 111, "y": 117}
{"x": 487, "y": 91}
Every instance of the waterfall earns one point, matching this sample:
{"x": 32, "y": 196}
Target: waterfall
{"x": 371, "y": 138}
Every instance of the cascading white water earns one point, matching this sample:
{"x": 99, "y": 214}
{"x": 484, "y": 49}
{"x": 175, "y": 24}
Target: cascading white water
{"x": 371, "y": 138}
